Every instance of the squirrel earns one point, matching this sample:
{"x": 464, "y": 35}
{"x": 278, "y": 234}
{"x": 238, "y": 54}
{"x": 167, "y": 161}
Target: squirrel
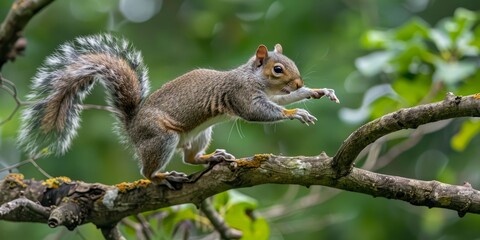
{"x": 179, "y": 115}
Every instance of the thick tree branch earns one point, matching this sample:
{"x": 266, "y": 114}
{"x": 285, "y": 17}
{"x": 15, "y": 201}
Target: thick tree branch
{"x": 10, "y": 31}
{"x": 106, "y": 205}
{"x": 60, "y": 201}
{"x": 452, "y": 107}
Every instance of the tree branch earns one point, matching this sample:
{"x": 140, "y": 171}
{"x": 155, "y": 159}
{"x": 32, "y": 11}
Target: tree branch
{"x": 217, "y": 221}
{"x": 72, "y": 203}
{"x": 452, "y": 107}
{"x": 22, "y": 202}
{"x": 17, "y": 18}
{"x": 105, "y": 205}
{"x": 112, "y": 232}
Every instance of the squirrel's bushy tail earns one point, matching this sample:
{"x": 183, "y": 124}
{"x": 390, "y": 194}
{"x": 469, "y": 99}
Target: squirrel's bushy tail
{"x": 67, "y": 77}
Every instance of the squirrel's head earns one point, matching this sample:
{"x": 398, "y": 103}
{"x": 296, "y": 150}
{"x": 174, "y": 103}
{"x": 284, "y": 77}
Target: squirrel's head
{"x": 281, "y": 73}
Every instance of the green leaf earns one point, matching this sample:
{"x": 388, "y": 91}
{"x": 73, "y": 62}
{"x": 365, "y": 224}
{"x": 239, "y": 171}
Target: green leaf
{"x": 238, "y": 210}
{"x": 456, "y": 29}
{"x": 440, "y": 39}
{"x": 373, "y": 63}
{"x": 236, "y": 197}
{"x": 413, "y": 55}
{"x": 468, "y": 130}
{"x": 176, "y": 215}
{"x": 412, "y": 29}
{"x": 466, "y": 45}
{"x": 375, "y": 39}
{"x": 453, "y": 72}
{"x": 470, "y": 85}
{"x": 462, "y": 14}
{"x": 412, "y": 91}
{"x": 464, "y": 20}
{"x": 476, "y": 37}
{"x": 383, "y": 106}
{"x": 240, "y": 216}
{"x": 459, "y": 29}
{"x": 221, "y": 199}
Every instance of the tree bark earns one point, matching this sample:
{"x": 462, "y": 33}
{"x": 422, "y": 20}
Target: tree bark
{"x": 60, "y": 201}
{"x": 72, "y": 203}
{"x": 11, "y": 41}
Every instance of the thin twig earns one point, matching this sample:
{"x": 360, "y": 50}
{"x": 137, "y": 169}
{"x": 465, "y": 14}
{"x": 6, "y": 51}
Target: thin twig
{"x": 287, "y": 209}
{"x": 136, "y": 227}
{"x": 16, "y": 165}
{"x": 30, "y": 160}
{"x": 112, "y": 232}
{"x": 217, "y": 221}
{"x": 416, "y": 136}
{"x": 21, "y": 163}
{"x": 376, "y": 161}
{"x": 11, "y": 89}
{"x": 144, "y": 226}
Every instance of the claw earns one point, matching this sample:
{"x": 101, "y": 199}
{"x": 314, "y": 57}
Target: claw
{"x": 330, "y": 93}
{"x": 304, "y": 116}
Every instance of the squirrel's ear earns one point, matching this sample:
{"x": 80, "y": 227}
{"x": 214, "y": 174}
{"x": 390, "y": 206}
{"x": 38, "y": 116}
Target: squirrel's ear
{"x": 278, "y": 48}
{"x": 261, "y": 55}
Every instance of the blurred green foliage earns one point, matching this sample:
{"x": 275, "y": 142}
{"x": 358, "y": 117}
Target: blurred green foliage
{"x": 388, "y": 54}
{"x": 422, "y": 62}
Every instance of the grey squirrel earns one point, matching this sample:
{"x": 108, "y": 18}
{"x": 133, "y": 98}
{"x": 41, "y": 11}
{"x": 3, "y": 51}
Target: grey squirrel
{"x": 179, "y": 115}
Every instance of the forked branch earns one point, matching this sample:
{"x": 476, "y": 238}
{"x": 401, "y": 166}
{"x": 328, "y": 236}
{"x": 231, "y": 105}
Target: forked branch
{"x": 452, "y": 107}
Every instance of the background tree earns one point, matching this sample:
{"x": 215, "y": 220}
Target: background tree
{"x": 409, "y": 62}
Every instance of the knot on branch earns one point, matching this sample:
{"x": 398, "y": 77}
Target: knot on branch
{"x": 18, "y": 48}
{"x": 60, "y": 200}
{"x": 69, "y": 214}
{"x": 74, "y": 201}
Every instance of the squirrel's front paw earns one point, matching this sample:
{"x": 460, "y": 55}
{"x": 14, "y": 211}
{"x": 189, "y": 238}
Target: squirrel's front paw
{"x": 320, "y": 92}
{"x": 171, "y": 179}
{"x": 301, "y": 114}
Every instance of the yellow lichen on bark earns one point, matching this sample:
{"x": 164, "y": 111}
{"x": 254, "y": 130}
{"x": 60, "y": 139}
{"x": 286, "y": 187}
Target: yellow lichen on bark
{"x": 127, "y": 186}
{"x": 15, "y": 179}
{"x": 255, "y": 162}
{"x": 56, "y": 182}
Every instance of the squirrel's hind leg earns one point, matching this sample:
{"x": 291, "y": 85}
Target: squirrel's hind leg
{"x": 155, "y": 153}
{"x": 194, "y": 152}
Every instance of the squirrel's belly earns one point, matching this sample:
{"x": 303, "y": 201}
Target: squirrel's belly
{"x": 186, "y": 137}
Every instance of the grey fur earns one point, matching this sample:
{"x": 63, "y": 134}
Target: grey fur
{"x": 179, "y": 115}
{"x": 46, "y": 82}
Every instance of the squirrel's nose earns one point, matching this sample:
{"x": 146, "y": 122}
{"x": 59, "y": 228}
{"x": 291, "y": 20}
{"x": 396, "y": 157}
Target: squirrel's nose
{"x": 298, "y": 83}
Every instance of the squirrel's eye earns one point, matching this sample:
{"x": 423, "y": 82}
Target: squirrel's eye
{"x": 278, "y": 69}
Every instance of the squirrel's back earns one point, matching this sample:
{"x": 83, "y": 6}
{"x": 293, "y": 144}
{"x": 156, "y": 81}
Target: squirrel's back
{"x": 199, "y": 95}
{"x": 68, "y": 75}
